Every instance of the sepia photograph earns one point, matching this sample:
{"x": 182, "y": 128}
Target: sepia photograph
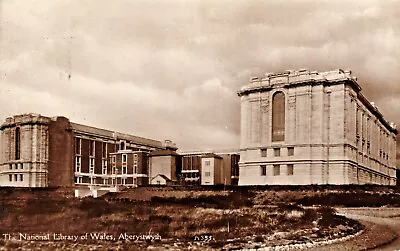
{"x": 152, "y": 125}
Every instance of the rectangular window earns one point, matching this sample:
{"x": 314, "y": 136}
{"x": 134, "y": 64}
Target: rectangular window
{"x": 16, "y": 177}
{"x": 114, "y": 170}
{"x": 207, "y": 162}
{"x": 78, "y": 164}
{"x": 10, "y": 166}
{"x": 207, "y": 174}
{"x": 10, "y": 177}
{"x": 263, "y": 170}
{"x": 123, "y": 180}
{"x": 290, "y": 169}
{"x": 21, "y": 165}
{"x": 21, "y": 177}
{"x": 91, "y": 167}
{"x": 277, "y": 170}
{"x": 92, "y": 147}
{"x": 135, "y": 169}
{"x": 124, "y": 158}
{"x": 277, "y": 152}
{"x": 17, "y": 143}
{"x": 104, "y": 167}
{"x": 104, "y": 149}
{"x": 290, "y": 151}
{"x": 122, "y": 145}
{"x": 105, "y": 181}
{"x": 114, "y": 159}
{"x": 263, "y": 152}
{"x": 79, "y": 180}
{"x": 124, "y": 170}
{"x": 78, "y": 146}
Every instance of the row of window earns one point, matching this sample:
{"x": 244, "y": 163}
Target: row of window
{"x": 79, "y": 180}
{"x": 277, "y": 170}
{"x": 15, "y": 176}
{"x": 192, "y": 175}
{"x": 92, "y": 147}
{"x": 17, "y": 166}
{"x": 277, "y": 152}
{"x": 78, "y": 166}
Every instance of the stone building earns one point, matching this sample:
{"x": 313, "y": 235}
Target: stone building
{"x": 39, "y": 151}
{"x": 306, "y": 127}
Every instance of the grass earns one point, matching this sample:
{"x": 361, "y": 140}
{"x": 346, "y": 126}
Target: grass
{"x": 237, "y": 215}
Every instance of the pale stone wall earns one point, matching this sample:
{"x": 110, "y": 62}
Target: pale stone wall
{"x": 338, "y": 137}
{"x": 207, "y": 180}
{"x": 32, "y": 164}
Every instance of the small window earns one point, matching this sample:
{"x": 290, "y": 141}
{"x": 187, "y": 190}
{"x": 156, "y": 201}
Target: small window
{"x": 122, "y": 145}
{"x": 124, "y": 158}
{"x": 207, "y": 162}
{"x": 277, "y": 170}
{"x": 158, "y": 182}
{"x": 21, "y": 165}
{"x": 263, "y": 152}
{"x": 78, "y": 164}
{"x": 10, "y": 177}
{"x": 277, "y": 152}
{"x": 21, "y": 177}
{"x": 16, "y": 177}
{"x": 91, "y": 167}
{"x": 207, "y": 174}
{"x": 10, "y": 166}
{"x": 290, "y": 151}
{"x": 134, "y": 169}
{"x": 124, "y": 170}
{"x": 290, "y": 169}
{"x": 263, "y": 170}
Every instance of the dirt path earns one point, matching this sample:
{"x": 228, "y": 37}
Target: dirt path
{"x": 391, "y": 223}
{"x": 381, "y": 233}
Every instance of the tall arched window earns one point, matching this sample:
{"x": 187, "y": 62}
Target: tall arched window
{"x": 17, "y": 143}
{"x": 278, "y": 117}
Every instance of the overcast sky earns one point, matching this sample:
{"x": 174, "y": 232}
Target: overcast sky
{"x": 171, "y": 69}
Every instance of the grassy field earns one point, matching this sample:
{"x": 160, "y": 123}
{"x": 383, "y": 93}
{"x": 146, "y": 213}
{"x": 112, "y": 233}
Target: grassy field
{"x": 179, "y": 216}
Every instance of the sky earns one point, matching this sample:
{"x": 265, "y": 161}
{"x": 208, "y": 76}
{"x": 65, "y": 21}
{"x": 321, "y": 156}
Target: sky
{"x": 171, "y": 69}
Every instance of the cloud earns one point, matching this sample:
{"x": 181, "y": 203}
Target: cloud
{"x": 171, "y": 69}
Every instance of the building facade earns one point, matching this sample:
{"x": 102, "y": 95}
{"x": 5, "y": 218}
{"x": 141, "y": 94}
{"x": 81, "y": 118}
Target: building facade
{"x": 39, "y": 151}
{"x": 302, "y": 127}
{"x": 210, "y": 167}
{"x": 165, "y": 166}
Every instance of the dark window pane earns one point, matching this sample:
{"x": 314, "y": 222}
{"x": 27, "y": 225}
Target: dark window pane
{"x": 278, "y": 117}
{"x": 17, "y": 143}
{"x": 263, "y": 170}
